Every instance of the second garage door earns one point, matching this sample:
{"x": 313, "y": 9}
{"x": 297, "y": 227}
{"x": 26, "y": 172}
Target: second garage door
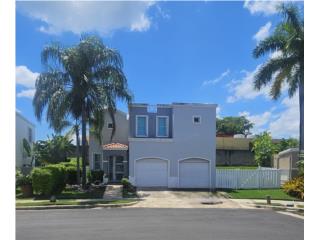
{"x": 194, "y": 173}
{"x": 151, "y": 173}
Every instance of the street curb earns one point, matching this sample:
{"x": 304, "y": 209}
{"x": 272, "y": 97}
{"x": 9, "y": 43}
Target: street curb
{"x": 77, "y": 206}
{"x": 281, "y": 208}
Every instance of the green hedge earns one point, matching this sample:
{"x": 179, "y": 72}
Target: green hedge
{"x": 49, "y": 180}
{"x": 71, "y": 171}
{"x": 71, "y": 175}
{"x": 59, "y": 177}
{"x": 42, "y": 182}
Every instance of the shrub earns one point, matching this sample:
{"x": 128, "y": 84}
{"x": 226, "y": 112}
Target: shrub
{"x": 71, "y": 175}
{"x": 42, "y": 181}
{"x": 95, "y": 175}
{"x": 22, "y": 180}
{"x": 295, "y": 187}
{"x": 125, "y": 182}
{"x": 49, "y": 180}
{"x": 71, "y": 171}
{"x": 127, "y": 186}
{"x": 58, "y": 177}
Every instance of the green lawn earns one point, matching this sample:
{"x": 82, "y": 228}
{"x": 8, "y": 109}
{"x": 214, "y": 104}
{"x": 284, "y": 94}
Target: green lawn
{"x": 23, "y": 203}
{"x": 276, "y": 194}
{"x": 236, "y": 167}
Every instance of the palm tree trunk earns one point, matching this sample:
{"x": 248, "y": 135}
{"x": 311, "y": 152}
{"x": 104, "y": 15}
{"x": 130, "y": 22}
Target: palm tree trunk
{"x": 84, "y": 146}
{"x": 301, "y": 106}
{"x": 78, "y": 153}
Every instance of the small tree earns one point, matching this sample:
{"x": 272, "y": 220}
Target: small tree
{"x": 234, "y": 125}
{"x": 263, "y": 149}
{"x": 286, "y": 144}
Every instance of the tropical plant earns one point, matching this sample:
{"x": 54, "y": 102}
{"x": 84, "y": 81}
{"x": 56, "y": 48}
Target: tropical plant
{"x": 288, "y": 66}
{"x": 295, "y": 187}
{"x": 234, "y": 125}
{"x": 54, "y": 150}
{"x": 80, "y": 82}
{"x": 30, "y": 150}
{"x": 263, "y": 149}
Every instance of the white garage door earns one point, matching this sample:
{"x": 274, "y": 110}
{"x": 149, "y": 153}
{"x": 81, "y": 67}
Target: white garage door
{"x": 151, "y": 173}
{"x": 194, "y": 173}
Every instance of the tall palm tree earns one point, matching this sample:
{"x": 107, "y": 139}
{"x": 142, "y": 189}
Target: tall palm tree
{"x": 80, "y": 81}
{"x": 288, "y": 66}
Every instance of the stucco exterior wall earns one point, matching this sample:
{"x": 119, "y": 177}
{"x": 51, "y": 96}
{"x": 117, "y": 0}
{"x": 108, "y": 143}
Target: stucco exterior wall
{"x": 189, "y": 140}
{"x": 22, "y": 126}
{"x": 142, "y": 110}
{"x": 120, "y": 136}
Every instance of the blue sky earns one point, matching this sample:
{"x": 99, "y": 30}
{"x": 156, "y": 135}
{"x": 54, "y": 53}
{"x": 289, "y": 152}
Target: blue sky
{"x": 172, "y": 51}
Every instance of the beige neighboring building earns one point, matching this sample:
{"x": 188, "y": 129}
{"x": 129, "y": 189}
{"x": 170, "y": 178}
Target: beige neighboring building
{"x": 24, "y": 129}
{"x": 234, "y": 151}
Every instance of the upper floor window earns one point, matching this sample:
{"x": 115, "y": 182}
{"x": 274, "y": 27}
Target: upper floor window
{"x": 30, "y": 134}
{"x": 162, "y": 126}
{"x": 141, "y": 126}
{"x": 196, "y": 119}
{"x": 110, "y": 125}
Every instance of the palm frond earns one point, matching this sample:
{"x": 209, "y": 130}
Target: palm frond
{"x": 270, "y": 44}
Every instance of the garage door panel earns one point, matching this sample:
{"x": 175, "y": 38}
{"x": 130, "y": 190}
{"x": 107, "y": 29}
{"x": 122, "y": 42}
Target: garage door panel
{"x": 151, "y": 173}
{"x": 193, "y": 174}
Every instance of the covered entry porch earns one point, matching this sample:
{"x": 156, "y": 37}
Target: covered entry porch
{"x": 115, "y": 161}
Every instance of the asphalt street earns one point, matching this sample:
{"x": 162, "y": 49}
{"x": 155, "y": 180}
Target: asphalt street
{"x": 154, "y": 224}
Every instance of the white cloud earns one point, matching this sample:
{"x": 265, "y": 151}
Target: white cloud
{"x": 218, "y": 111}
{"x": 25, "y": 77}
{"x": 263, "y": 32}
{"x": 287, "y": 124}
{"x": 263, "y": 7}
{"x": 28, "y": 93}
{"x": 216, "y": 80}
{"x": 282, "y": 124}
{"x": 86, "y": 16}
{"x": 244, "y": 88}
{"x": 259, "y": 120}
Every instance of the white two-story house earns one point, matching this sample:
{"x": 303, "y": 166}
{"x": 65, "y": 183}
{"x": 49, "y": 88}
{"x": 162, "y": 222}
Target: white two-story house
{"x": 166, "y": 145}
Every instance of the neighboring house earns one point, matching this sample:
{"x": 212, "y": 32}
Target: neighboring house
{"x": 24, "y": 129}
{"x": 232, "y": 151}
{"x": 111, "y": 156}
{"x": 170, "y": 145}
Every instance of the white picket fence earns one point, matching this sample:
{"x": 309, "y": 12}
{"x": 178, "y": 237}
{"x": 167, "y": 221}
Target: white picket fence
{"x": 248, "y": 179}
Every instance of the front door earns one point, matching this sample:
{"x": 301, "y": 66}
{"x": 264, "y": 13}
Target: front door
{"x": 116, "y": 168}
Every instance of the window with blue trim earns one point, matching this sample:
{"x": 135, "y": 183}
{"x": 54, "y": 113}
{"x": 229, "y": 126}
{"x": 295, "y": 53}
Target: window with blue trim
{"x": 141, "y": 126}
{"x": 162, "y": 127}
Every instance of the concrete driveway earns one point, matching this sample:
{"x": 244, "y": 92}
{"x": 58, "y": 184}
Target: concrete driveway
{"x": 182, "y": 199}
